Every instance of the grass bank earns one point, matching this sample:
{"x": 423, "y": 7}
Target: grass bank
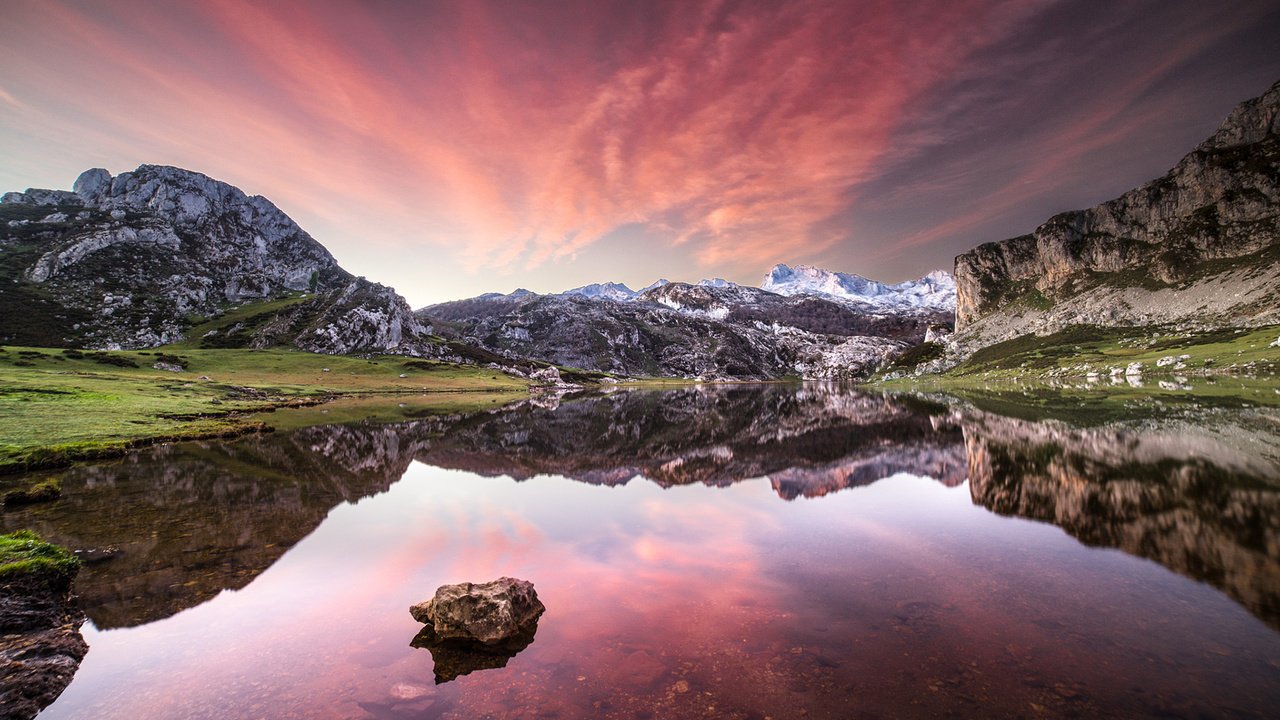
{"x": 1081, "y": 351}
{"x": 24, "y": 554}
{"x": 58, "y": 406}
{"x": 1088, "y": 375}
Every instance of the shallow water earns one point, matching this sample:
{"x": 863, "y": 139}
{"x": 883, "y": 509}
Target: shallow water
{"x": 742, "y": 552}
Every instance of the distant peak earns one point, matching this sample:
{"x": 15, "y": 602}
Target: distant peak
{"x": 716, "y": 282}
{"x": 937, "y": 289}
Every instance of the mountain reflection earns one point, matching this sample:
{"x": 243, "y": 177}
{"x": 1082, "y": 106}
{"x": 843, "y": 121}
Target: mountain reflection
{"x": 170, "y": 527}
{"x": 808, "y": 441}
{"x": 1195, "y": 499}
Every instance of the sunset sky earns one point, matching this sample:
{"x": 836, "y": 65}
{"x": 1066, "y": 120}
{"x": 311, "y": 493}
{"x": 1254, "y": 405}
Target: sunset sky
{"x": 454, "y": 148}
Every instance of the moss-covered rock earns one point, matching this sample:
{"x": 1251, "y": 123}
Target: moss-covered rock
{"x": 40, "y": 642}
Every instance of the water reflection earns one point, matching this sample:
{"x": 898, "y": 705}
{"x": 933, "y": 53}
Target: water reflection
{"x": 807, "y": 441}
{"x": 454, "y": 658}
{"x": 682, "y": 584}
{"x": 170, "y": 527}
{"x": 1192, "y": 497}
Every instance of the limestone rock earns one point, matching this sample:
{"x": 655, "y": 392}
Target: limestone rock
{"x": 486, "y": 613}
{"x": 1197, "y": 247}
{"x": 124, "y": 261}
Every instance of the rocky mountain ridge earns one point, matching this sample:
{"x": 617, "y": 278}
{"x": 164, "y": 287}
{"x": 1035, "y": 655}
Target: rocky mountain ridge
{"x": 709, "y": 330}
{"x": 936, "y": 290}
{"x": 1198, "y": 248}
{"x": 127, "y": 262}
{"x": 714, "y": 329}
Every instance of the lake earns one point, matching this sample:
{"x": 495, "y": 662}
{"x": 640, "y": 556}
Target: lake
{"x": 733, "y": 551}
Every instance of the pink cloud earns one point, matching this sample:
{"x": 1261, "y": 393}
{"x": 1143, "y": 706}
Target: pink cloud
{"x": 507, "y": 139}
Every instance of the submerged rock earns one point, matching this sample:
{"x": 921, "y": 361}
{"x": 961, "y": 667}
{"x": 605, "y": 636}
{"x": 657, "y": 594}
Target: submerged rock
{"x": 486, "y": 613}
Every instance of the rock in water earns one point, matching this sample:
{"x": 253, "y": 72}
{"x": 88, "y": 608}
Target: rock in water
{"x": 487, "y": 613}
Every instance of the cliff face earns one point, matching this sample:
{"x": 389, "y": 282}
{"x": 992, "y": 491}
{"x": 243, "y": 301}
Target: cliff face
{"x": 125, "y": 261}
{"x": 1198, "y": 247}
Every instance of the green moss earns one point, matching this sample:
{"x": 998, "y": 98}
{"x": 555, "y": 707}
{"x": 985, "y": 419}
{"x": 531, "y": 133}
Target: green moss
{"x": 23, "y": 553}
{"x": 46, "y": 491}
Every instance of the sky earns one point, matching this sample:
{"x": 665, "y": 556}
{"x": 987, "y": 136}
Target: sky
{"x": 453, "y": 148}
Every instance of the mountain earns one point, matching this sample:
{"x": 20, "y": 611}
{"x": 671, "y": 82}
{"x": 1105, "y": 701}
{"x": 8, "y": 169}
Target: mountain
{"x": 709, "y": 330}
{"x": 135, "y": 260}
{"x": 605, "y": 291}
{"x": 1196, "y": 249}
{"x": 937, "y": 290}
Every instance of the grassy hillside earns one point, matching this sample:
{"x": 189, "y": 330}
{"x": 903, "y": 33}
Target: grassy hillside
{"x": 60, "y": 405}
{"x": 1081, "y": 350}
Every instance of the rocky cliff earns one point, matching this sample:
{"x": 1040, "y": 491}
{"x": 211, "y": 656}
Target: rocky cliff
{"x": 1197, "y": 248}
{"x": 130, "y": 261}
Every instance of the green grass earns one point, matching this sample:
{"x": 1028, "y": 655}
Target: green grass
{"x": 915, "y": 355}
{"x": 58, "y": 406}
{"x": 384, "y": 409}
{"x": 250, "y": 315}
{"x": 1080, "y": 349}
{"x": 1088, "y": 406}
{"x": 23, "y": 553}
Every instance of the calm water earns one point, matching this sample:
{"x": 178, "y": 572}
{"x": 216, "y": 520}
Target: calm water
{"x": 740, "y": 552}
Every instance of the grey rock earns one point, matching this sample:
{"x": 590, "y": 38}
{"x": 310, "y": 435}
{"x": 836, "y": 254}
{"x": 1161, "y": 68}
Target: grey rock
{"x": 40, "y": 643}
{"x": 91, "y": 183}
{"x": 486, "y": 613}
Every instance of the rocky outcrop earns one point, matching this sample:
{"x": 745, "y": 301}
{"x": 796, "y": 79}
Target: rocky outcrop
{"x": 40, "y": 642}
{"x": 1198, "y": 247}
{"x": 487, "y": 613}
{"x": 472, "y": 626}
{"x": 126, "y": 261}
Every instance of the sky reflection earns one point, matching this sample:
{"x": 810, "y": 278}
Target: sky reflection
{"x": 900, "y": 598}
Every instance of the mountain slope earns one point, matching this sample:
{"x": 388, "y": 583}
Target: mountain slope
{"x": 134, "y": 260}
{"x": 1197, "y": 248}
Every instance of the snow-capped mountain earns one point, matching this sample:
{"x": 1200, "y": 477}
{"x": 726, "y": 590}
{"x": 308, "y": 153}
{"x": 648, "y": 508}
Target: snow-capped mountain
{"x": 619, "y": 292}
{"x": 717, "y": 282}
{"x": 937, "y": 290}
{"x": 605, "y": 291}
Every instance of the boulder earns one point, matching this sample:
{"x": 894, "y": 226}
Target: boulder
{"x": 546, "y": 376}
{"x": 487, "y": 613}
